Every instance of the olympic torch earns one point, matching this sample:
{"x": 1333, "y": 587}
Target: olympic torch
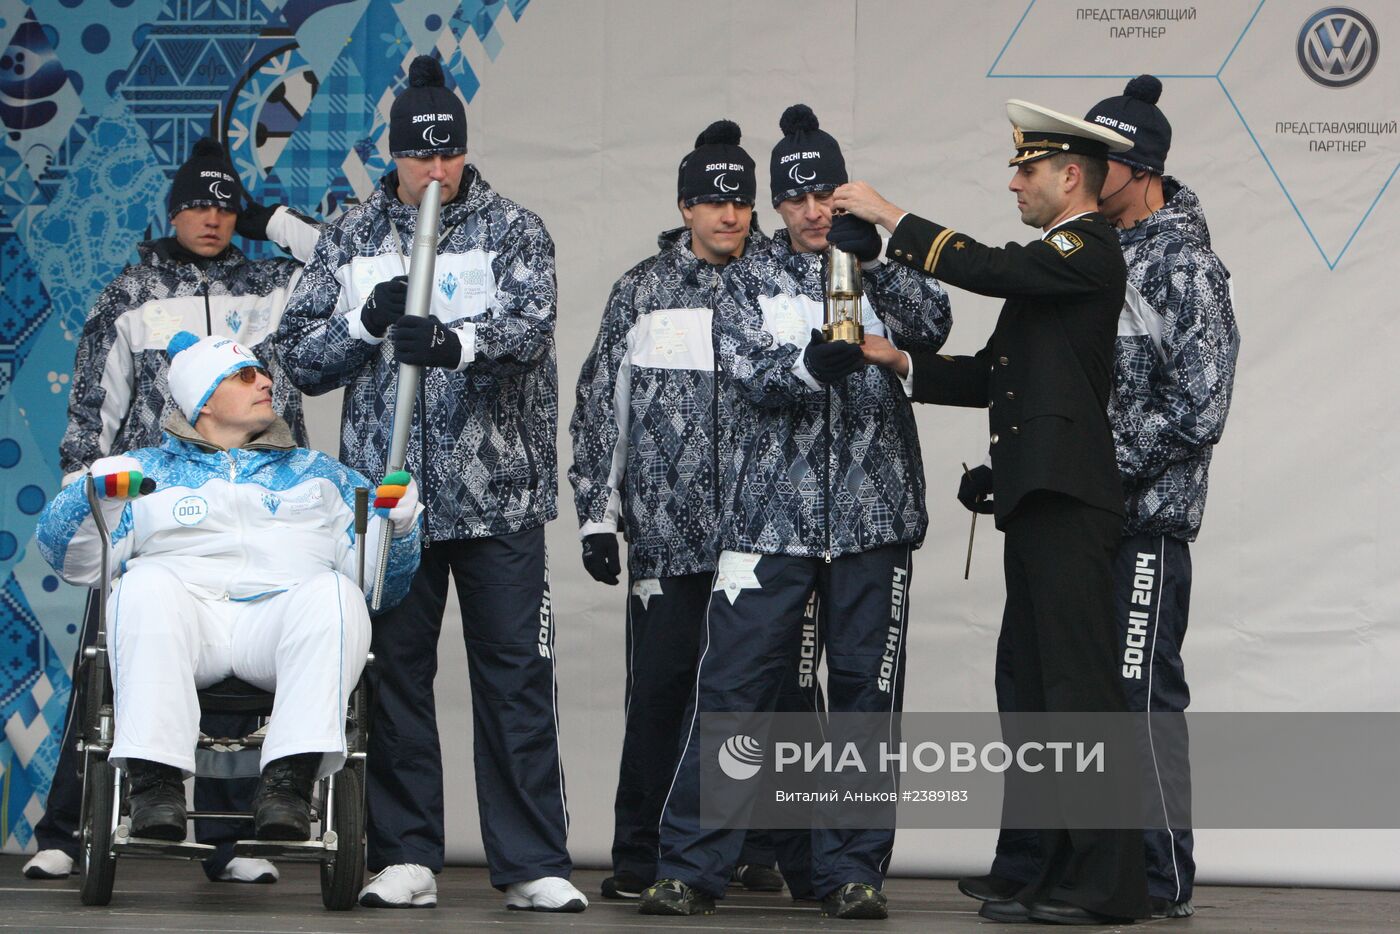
{"x": 422, "y": 259}
{"x": 843, "y": 297}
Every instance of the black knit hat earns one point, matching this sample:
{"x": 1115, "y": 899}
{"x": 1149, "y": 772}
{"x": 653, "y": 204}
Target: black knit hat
{"x": 807, "y": 158}
{"x": 427, "y": 119}
{"x": 718, "y": 169}
{"x": 1135, "y": 115}
{"x": 205, "y": 179}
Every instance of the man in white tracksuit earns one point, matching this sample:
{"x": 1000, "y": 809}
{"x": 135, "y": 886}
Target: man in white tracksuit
{"x": 199, "y": 281}
{"x": 240, "y": 563}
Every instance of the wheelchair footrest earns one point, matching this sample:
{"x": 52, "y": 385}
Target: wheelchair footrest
{"x": 124, "y": 844}
{"x": 295, "y": 851}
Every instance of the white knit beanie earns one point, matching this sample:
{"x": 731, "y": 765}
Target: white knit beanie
{"x": 199, "y": 365}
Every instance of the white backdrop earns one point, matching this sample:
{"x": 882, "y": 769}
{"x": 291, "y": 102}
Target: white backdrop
{"x": 590, "y": 106}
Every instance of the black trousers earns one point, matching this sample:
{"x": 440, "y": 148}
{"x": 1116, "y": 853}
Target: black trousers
{"x": 665, "y": 620}
{"x": 751, "y": 629}
{"x": 1061, "y": 642}
{"x": 1150, "y": 631}
{"x": 508, "y": 625}
{"x": 58, "y": 828}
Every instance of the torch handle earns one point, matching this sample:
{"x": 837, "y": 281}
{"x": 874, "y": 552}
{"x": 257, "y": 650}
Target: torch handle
{"x": 361, "y": 529}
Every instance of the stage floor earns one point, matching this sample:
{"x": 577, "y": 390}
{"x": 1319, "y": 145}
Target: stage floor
{"x": 154, "y": 896}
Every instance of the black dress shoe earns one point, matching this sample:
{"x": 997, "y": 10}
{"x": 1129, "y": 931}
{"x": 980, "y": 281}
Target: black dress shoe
{"x": 989, "y": 888}
{"x": 282, "y": 805}
{"x": 1053, "y": 911}
{"x": 1006, "y": 911}
{"x": 623, "y": 885}
{"x": 1166, "y": 908}
{"x": 757, "y": 878}
{"x": 157, "y": 800}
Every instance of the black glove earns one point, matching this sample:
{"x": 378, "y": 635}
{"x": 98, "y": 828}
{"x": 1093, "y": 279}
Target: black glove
{"x": 252, "y": 220}
{"x": 975, "y": 490}
{"x": 385, "y": 305}
{"x": 426, "y": 342}
{"x": 831, "y": 361}
{"x": 854, "y": 235}
{"x": 600, "y": 557}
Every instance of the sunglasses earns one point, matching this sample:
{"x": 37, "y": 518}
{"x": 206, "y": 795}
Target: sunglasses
{"x": 249, "y": 374}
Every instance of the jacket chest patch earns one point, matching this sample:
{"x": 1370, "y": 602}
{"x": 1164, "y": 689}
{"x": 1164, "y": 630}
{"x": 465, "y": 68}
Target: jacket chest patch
{"x": 463, "y": 283}
{"x": 672, "y": 339}
{"x": 790, "y": 318}
{"x": 161, "y": 324}
{"x": 300, "y": 502}
{"x": 666, "y": 336}
{"x": 190, "y": 510}
{"x": 471, "y": 281}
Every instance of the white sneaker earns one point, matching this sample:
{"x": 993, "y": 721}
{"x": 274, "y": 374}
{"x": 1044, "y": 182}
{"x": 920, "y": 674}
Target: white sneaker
{"x": 49, "y": 864}
{"x": 548, "y": 894}
{"x": 403, "y": 885}
{"x": 246, "y": 869}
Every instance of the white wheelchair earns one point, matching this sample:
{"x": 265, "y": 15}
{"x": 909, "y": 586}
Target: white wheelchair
{"x": 338, "y": 800}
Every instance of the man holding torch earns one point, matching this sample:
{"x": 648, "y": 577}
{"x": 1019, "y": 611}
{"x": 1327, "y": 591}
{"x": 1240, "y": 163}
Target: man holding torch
{"x": 826, "y": 494}
{"x": 481, "y": 444}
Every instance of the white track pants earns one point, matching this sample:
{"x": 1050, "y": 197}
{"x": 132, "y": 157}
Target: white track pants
{"x": 308, "y": 644}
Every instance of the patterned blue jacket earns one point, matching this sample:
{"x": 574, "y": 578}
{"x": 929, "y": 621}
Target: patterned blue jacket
{"x": 119, "y": 395}
{"x": 821, "y": 471}
{"x": 1174, "y": 368}
{"x": 647, "y": 452}
{"x": 485, "y": 463}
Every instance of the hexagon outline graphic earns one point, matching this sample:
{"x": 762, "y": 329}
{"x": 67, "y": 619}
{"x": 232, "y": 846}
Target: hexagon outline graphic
{"x": 1330, "y": 261}
{"x": 991, "y": 71}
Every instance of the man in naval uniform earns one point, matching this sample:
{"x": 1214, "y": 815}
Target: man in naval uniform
{"x": 1045, "y": 377}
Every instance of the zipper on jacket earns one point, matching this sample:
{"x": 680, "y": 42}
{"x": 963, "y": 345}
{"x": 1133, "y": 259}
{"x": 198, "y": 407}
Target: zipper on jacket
{"x": 423, "y": 446}
{"x": 242, "y": 528}
{"x": 714, "y": 397}
{"x": 826, "y": 480}
{"x": 208, "y": 314}
{"x": 714, "y": 434}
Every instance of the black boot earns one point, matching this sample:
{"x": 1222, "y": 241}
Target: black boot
{"x": 157, "y": 799}
{"x": 282, "y": 806}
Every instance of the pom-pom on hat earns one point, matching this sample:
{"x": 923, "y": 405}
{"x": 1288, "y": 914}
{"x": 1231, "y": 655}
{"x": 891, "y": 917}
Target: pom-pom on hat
{"x": 717, "y": 169}
{"x": 199, "y": 365}
{"x": 807, "y": 158}
{"x": 1135, "y": 114}
{"x": 205, "y": 179}
{"x": 427, "y": 119}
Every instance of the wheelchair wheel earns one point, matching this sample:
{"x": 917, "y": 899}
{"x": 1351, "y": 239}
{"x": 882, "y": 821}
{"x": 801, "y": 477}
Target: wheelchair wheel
{"x": 99, "y": 802}
{"x": 342, "y": 877}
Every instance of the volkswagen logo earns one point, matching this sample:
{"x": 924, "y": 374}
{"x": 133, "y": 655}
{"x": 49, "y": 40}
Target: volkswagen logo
{"x": 1337, "y": 47}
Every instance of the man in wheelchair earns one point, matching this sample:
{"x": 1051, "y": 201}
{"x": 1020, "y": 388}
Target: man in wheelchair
{"x": 239, "y": 560}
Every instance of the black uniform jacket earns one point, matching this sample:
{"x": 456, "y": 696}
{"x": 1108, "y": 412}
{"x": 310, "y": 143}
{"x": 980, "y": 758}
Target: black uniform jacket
{"x": 1047, "y": 371}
